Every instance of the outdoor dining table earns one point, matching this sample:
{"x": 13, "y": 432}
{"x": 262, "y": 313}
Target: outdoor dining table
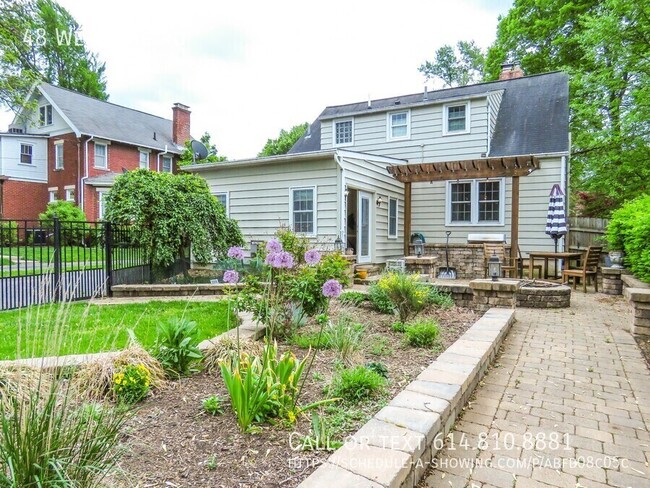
{"x": 546, "y": 255}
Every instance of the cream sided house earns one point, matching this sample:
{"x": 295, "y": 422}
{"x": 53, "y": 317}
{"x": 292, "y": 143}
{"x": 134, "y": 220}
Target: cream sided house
{"x": 374, "y": 173}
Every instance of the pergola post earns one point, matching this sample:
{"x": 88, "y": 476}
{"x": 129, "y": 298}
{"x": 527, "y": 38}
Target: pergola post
{"x": 514, "y": 221}
{"x": 407, "y": 217}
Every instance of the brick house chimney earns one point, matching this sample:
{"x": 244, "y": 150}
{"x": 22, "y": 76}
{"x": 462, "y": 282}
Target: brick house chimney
{"x": 510, "y": 71}
{"x": 180, "y": 123}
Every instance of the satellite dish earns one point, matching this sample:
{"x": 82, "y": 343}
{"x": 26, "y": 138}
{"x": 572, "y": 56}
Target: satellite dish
{"x": 199, "y": 151}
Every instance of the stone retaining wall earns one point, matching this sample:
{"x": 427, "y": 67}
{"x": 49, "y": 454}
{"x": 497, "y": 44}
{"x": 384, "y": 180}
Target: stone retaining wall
{"x": 612, "y": 282}
{"x": 551, "y": 297}
{"x": 171, "y": 290}
{"x": 467, "y": 259}
{"x": 393, "y": 448}
{"x": 640, "y": 300}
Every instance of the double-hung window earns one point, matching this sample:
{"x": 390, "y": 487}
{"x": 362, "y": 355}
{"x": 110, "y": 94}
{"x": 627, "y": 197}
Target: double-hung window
{"x": 101, "y": 202}
{"x": 58, "y": 155}
{"x": 222, "y": 198}
{"x": 167, "y": 164}
{"x": 343, "y": 132}
{"x": 392, "y": 218}
{"x": 45, "y": 115}
{"x": 303, "y": 210}
{"x": 475, "y": 202}
{"x": 26, "y": 153}
{"x": 69, "y": 194}
{"x": 455, "y": 118}
{"x": 399, "y": 125}
{"x": 144, "y": 159}
{"x": 101, "y": 156}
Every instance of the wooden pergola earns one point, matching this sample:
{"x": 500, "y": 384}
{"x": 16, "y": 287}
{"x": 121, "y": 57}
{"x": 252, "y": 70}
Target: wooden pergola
{"x": 513, "y": 166}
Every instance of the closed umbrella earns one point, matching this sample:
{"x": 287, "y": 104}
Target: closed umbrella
{"x": 556, "y": 220}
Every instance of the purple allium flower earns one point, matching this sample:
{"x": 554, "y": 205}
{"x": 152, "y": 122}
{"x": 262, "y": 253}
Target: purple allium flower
{"x": 332, "y": 288}
{"x": 236, "y": 252}
{"x": 274, "y": 246}
{"x": 312, "y": 256}
{"x": 283, "y": 260}
{"x": 270, "y": 259}
{"x": 231, "y": 276}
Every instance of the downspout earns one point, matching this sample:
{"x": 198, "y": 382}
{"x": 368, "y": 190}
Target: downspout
{"x": 77, "y": 194}
{"x": 343, "y": 202}
{"x": 82, "y": 181}
{"x": 158, "y": 158}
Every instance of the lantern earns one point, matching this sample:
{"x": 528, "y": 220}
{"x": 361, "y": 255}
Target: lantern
{"x": 494, "y": 267}
{"x": 338, "y": 244}
{"x": 419, "y": 247}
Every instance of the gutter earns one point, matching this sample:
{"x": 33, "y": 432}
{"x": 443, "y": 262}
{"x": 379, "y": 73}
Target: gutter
{"x": 82, "y": 181}
{"x": 158, "y": 158}
{"x": 343, "y": 204}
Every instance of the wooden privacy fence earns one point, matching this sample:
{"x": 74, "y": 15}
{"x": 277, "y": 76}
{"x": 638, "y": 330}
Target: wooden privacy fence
{"x": 586, "y": 231}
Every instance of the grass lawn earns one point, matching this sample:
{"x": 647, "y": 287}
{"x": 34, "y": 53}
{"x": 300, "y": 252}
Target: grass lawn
{"x": 69, "y": 254}
{"x": 77, "y": 328}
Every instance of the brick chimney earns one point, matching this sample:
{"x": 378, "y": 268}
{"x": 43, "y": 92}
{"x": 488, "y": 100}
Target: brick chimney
{"x": 510, "y": 71}
{"x": 180, "y": 123}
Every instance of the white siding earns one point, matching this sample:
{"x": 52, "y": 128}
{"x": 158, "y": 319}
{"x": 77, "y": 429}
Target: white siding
{"x": 426, "y": 142}
{"x": 372, "y": 177}
{"x": 10, "y": 158}
{"x": 58, "y": 126}
{"x": 429, "y": 205}
{"x": 259, "y": 195}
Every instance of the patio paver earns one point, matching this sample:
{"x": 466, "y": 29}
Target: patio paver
{"x": 567, "y": 404}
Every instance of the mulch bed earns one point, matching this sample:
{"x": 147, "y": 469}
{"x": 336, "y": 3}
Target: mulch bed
{"x": 172, "y": 442}
{"x": 644, "y": 345}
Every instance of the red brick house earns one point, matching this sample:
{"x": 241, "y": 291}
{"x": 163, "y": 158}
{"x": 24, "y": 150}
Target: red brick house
{"x": 72, "y": 147}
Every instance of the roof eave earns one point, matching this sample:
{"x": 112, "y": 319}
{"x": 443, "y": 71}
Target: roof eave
{"x": 283, "y": 158}
{"x": 65, "y": 118}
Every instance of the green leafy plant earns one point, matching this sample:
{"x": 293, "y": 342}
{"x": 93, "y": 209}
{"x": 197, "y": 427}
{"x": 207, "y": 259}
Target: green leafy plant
{"x": 422, "y": 333}
{"x": 176, "y": 347}
{"x": 354, "y": 298}
{"x": 131, "y": 383}
{"x": 357, "y": 384}
{"x": 314, "y": 340}
{"x": 629, "y": 230}
{"x": 439, "y": 298}
{"x": 345, "y": 337}
{"x": 405, "y": 291}
{"x": 379, "y": 368}
{"x": 213, "y": 405}
{"x": 321, "y": 437}
{"x": 73, "y": 216}
{"x": 380, "y": 300}
{"x": 399, "y": 327}
{"x": 8, "y": 233}
{"x": 380, "y": 346}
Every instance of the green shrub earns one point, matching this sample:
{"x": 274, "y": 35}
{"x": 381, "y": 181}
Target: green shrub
{"x": 8, "y": 233}
{"x": 345, "y": 336}
{"x": 629, "y": 230}
{"x": 377, "y": 367}
{"x": 422, "y": 333}
{"x": 315, "y": 340}
{"x": 439, "y": 298}
{"x": 355, "y": 298}
{"x": 131, "y": 383}
{"x": 405, "y": 291}
{"x": 380, "y": 300}
{"x": 47, "y": 440}
{"x": 213, "y": 405}
{"x": 176, "y": 348}
{"x": 67, "y": 212}
{"x": 357, "y": 384}
{"x": 399, "y": 327}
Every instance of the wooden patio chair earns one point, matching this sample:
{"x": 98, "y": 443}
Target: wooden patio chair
{"x": 498, "y": 248}
{"x": 589, "y": 269}
{"x": 523, "y": 265}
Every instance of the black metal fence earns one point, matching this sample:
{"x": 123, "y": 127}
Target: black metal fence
{"x": 43, "y": 261}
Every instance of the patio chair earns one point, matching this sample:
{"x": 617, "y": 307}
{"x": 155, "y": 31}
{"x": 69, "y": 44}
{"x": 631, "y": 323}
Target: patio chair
{"x": 523, "y": 265}
{"x": 589, "y": 269}
{"x": 498, "y": 248}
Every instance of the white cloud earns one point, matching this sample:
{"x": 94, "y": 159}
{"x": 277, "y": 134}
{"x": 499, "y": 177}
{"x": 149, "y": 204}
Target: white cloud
{"x": 249, "y": 69}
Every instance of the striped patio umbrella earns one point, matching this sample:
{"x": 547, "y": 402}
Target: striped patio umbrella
{"x": 556, "y": 219}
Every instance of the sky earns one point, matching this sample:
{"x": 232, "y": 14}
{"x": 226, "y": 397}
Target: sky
{"x": 248, "y": 69}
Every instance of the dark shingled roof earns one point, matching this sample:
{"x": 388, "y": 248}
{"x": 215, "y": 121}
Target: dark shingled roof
{"x": 533, "y": 116}
{"x": 114, "y": 122}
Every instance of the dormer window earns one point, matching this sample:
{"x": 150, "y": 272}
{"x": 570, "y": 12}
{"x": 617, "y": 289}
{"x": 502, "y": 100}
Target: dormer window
{"x": 456, "y": 118}
{"x": 343, "y": 132}
{"x": 45, "y": 115}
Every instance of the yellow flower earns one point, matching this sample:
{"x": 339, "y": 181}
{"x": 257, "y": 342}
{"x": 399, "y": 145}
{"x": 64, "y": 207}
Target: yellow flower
{"x": 291, "y": 416}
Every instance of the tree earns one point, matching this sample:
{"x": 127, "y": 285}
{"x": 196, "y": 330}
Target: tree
{"x": 187, "y": 157}
{"x": 602, "y": 44}
{"x": 284, "y": 142}
{"x": 456, "y": 67}
{"x": 40, "y": 41}
{"x": 170, "y": 212}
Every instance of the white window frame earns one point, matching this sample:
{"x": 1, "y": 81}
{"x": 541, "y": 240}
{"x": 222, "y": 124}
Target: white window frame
{"x": 143, "y": 164}
{"x": 474, "y": 222}
{"x": 69, "y": 193}
{"x": 171, "y": 164}
{"x": 342, "y": 121}
{"x": 101, "y": 204}
{"x": 31, "y": 153}
{"x": 45, "y": 116}
{"x": 389, "y": 126}
{"x": 445, "y": 118}
{"x": 52, "y": 193}
{"x": 105, "y": 155}
{"x": 314, "y": 210}
{"x": 390, "y": 200}
{"x": 227, "y": 205}
{"x": 58, "y": 158}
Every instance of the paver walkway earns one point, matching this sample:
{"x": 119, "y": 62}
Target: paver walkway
{"x": 566, "y": 405}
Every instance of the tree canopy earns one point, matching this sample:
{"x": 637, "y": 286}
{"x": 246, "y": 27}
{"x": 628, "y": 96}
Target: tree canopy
{"x": 284, "y": 141}
{"x": 603, "y": 45}
{"x": 456, "y": 67}
{"x": 171, "y": 212}
{"x": 41, "y": 41}
{"x": 213, "y": 155}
